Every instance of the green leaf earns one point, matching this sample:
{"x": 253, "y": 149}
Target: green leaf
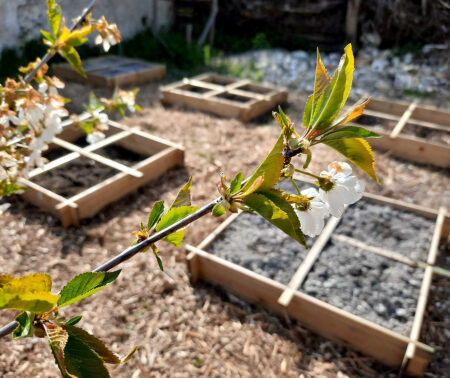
{"x": 71, "y": 55}
{"x": 219, "y": 210}
{"x": 48, "y": 36}
{"x": 235, "y": 184}
{"x": 275, "y": 215}
{"x": 176, "y": 238}
{"x": 57, "y": 339}
{"x": 307, "y": 114}
{"x": 358, "y": 151}
{"x": 96, "y": 345}
{"x": 78, "y": 36}
{"x": 81, "y": 361}
{"x": 286, "y": 120}
{"x": 8, "y": 188}
{"x": 84, "y": 285}
{"x": 322, "y": 78}
{"x": 30, "y": 293}
{"x": 335, "y": 95}
{"x": 158, "y": 259}
{"x": 74, "y": 320}
{"x": 270, "y": 168}
{"x": 353, "y": 113}
{"x": 183, "y": 197}
{"x": 349, "y": 132}
{"x": 174, "y": 215}
{"x": 54, "y": 16}
{"x": 155, "y": 214}
{"x": 24, "y": 322}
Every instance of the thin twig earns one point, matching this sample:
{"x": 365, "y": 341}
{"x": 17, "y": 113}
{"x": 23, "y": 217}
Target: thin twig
{"x": 48, "y": 55}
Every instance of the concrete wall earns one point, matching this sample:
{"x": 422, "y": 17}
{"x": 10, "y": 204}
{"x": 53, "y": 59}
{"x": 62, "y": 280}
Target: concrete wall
{"x": 21, "y": 20}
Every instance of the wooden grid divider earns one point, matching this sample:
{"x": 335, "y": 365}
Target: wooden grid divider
{"x": 406, "y": 146}
{"x": 386, "y": 346}
{"x": 216, "y": 96}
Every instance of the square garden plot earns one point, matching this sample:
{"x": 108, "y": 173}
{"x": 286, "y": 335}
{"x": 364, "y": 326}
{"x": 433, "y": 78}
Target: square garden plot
{"x": 81, "y": 179}
{"x": 111, "y": 71}
{"x": 224, "y": 96}
{"x": 365, "y": 287}
{"x": 410, "y": 131}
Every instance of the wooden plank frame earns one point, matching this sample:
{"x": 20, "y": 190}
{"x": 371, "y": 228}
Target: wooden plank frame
{"x": 386, "y": 346}
{"x": 112, "y": 71}
{"x": 162, "y": 156}
{"x": 224, "y": 96}
{"x": 405, "y": 146}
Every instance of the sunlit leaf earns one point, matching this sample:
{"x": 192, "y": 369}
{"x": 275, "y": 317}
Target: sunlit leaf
{"x": 176, "y": 238}
{"x": 71, "y": 55}
{"x": 270, "y": 168}
{"x": 24, "y": 322}
{"x": 253, "y": 188}
{"x": 155, "y": 214}
{"x": 350, "y": 132}
{"x": 54, "y": 16}
{"x": 358, "y": 151}
{"x": 353, "y": 113}
{"x": 322, "y": 78}
{"x": 219, "y": 210}
{"x": 48, "y": 36}
{"x": 271, "y": 212}
{"x": 174, "y": 215}
{"x": 84, "y": 285}
{"x": 183, "y": 197}
{"x": 8, "y": 188}
{"x": 29, "y": 293}
{"x": 78, "y": 36}
{"x": 235, "y": 184}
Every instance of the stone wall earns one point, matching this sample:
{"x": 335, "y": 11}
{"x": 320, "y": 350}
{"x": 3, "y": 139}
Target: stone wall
{"x": 21, "y": 20}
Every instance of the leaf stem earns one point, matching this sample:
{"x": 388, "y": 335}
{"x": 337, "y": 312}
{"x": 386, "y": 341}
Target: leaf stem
{"x": 307, "y": 173}
{"x": 296, "y": 186}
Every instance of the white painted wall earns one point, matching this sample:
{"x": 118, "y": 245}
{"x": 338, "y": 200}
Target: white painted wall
{"x": 21, "y": 20}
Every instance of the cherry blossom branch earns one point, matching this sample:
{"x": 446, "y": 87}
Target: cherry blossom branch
{"x": 48, "y": 55}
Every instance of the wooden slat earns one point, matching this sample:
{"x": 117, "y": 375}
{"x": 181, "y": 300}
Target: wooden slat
{"x": 99, "y": 158}
{"x": 203, "y": 84}
{"x": 424, "y": 293}
{"x": 331, "y": 322}
{"x": 309, "y": 261}
{"x": 404, "y": 119}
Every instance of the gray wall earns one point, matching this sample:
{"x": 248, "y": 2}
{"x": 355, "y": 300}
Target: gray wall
{"x": 21, "y": 20}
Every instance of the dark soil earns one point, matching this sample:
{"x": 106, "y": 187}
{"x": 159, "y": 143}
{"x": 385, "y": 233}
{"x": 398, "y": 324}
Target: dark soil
{"x": 54, "y": 152}
{"x": 74, "y": 177}
{"x": 120, "y": 154}
{"x": 255, "y": 244}
{"x": 367, "y": 285}
{"x": 431, "y": 135}
{"x": 386, "y": 227}
{"x": 382, "y": 124}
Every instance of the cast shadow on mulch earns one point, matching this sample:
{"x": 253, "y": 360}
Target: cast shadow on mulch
{"x": 312, "y": 346}
{"x": 74, "y": 238}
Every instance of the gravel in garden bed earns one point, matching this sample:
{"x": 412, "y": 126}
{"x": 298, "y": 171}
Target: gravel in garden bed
{"x": 373, "y": 287}
{"x": 252, "y": 242}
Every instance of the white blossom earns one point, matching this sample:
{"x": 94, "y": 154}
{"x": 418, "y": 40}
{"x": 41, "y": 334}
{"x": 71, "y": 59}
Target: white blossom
{"x": 312, "y": 217}
{"x": 95, "y": 137}
{"x": 346, "y": 189}
{"x": 107, "y": 41}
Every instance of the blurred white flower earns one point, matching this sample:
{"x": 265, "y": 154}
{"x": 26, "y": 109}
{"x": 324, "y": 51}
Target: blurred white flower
{"x": 108, "y": 40}
{"x": 345, "y": 190}
{"x": 95, "y": 137}
{"x": 312, "y": 216}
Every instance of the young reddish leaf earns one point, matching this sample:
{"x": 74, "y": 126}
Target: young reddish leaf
{"x": 82, "y": 361}
{"x": 155, "y": 214}
{"x": 235, "y": 184}
{"x": 358, "y": 151}
{"x": 322, "y": 79}
{"x": 270, "y": 168}
{"x": 183, "y": 197}
{"x": 84, "y": 285}
{"x": 349, "y": 132}
{"x": 353, "y": 113}
{"x": 30, "y": 293}
{"x": 24, "y": 322}
{"x": 96, "y": 345}
{"x": 71, "y": 55}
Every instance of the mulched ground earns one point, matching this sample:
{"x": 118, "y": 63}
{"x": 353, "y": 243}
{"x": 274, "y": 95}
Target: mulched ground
{"x": 186, "y": 331}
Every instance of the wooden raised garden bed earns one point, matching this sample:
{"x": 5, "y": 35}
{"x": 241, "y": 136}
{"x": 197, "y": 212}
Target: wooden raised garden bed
{"x": 410, "y": 131}
{"x": 80, "y": 179}
{"x": 111, "y": 71}
{"x": 387, "y": 287}
{"x": 224, "y": 96}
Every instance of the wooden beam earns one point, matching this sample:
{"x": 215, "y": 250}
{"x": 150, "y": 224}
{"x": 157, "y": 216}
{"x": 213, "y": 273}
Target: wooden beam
{"x": 101, "y": 159}
{"x": 404, "y": 119}
{"x": 309, "y": 261}
{"x": 423, "y": 295}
